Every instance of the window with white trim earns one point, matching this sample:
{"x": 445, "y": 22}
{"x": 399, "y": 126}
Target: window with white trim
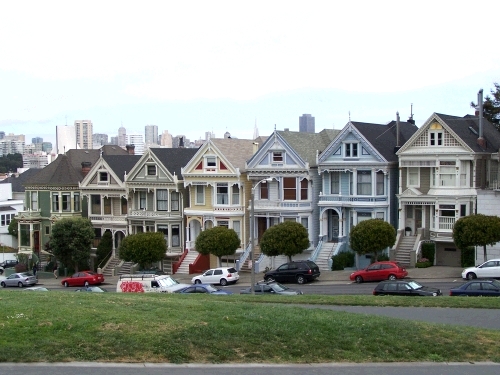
{"x": 162, "y": 200}
{"x": 289, "y": 188}
{"x": 142, "y": 200}
{"x": 413, "y": 177}
{"x": 364, "y": 183}
{"x": 95, "y": 204}
{"x": 151, "y": 170}
{"x": 176, "y": 236}
{"x": 34, "y": 200}
{"x": 304, "y": 189}
{"x": 199, "y": 194}
{"x": 222, "y": 193}
{"x": 106, "y": 205}
{"x": 76, "y": 202}
{"x": 174, "y": 201}
{"x": 103, "y": 177}
{"x": 447, "y": 173}
{"x": 380, "y": 183}
{"x": 277, "y": 157}
{"x": 235, "y": 195}
{"x": 237, "y": 228}
{"x": 210, "y": 162}
{"x": 334, "y": 182}
{"x": 66, "y": 202}
{"x": 351, "y": 150}
{"x": 55, "y": 202}
{"x": 435, "y": 138}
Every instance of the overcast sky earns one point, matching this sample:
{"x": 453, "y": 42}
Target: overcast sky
{"x": 196, "y": 66}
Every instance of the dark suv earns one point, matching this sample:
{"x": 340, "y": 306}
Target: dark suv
{"x": 300, "y": 272}
{"x": 8, "y": 263}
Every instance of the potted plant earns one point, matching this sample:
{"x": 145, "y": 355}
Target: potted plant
{"x": 407, "y": 231}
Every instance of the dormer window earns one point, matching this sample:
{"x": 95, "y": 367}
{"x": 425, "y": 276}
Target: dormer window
{"x": 435, "y": 134}
{"x": 103, "y": 177}
{"x": 351, "y": 150}
{"x": 211, "y": 162}
{"x": 151, "y": 170}
{"x": 277, "y": 157}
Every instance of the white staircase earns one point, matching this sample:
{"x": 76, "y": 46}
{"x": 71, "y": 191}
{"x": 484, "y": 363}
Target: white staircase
{"x": 325, "y": 255}
{"x": 190, "y": 258}
{"x": 115, "y": 262}
{"x": 404, "y": 248}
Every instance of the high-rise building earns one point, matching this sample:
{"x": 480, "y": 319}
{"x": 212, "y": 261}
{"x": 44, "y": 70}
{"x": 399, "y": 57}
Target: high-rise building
{"x": 151, "y": 135}
{"x": 166, "y": 139}
{"x": 84, "y": 131}
{"x": 11, "y": 147}
{"x": 138, "y": 141}
{"x": 99, "y": 140}
{"x": 122, "y": 136}
{"x": 306, "y": 124}
{"x": 2, "y": 135}
{"x": 37, "y": 140}
{"x": 47, "y": 147}
{"x": 113, "y": 141}
{"x": 65, "y": 138}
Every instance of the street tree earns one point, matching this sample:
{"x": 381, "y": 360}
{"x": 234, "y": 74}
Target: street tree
{"x": 491, "y": 106}
{"x": 477, "y": 230}
{"x": 71, "y": 241}
{"x": 288, "y": 238}
{"x": 13, "y": 228}
{"x": 372, "y": 236}
{"x": 218, "y": 241}
{"x": 143, "y": 248}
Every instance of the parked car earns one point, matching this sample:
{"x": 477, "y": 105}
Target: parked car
{"x": 271, "y": 287}
{"x": 92, "y": 289}
{"x": 378, "y": 271}
{"x": 19, "y": 279}
{"x": 404, "y": 288}
{"x": 9, "y": 263}
{"x": 489, "y": 269}
{"x": 152, "y": 271}
{"x": 1, "y": 270}
{"x": 83, "y": 278}
{"x": 300, "y": 271}
{"x": 221, "y": 275}
{"x": 203, "y": 288}
{"x": 148, "y": 283}
{"x": 476, "y": 288}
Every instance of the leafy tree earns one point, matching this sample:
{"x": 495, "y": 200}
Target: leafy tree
{"x": 105, "y": 246}
{"x": 143, "y": 248}
{"x": 288, "y": 238}
{"x": 218, "y": 241}
{"x": 10, "y": 163}
{"x": 491, "y": 106}
{"x": 71, "y": 241}
{"x": 372, "y": 236}
{"x": 13, "y": 228}
{"x": 477, "y": 230}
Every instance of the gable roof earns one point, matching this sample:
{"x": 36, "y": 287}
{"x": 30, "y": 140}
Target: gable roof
{"x": 384, "y": 137}
{"x": 236, "y": 151}
{"x": 121, "y": 164}
{"x": 174, "y": 158}
{"x": 18, "y": 181}
{"x": 308, "y": 144}
{"x": 467, "y": 128}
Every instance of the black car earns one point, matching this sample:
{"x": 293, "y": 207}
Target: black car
{"x": 476, "y": 288}
{"x": 301, "y": 272}
{"x": 8, "y": 263}
{"x": 404, "y": 288}
{"x": 271, "y": 287}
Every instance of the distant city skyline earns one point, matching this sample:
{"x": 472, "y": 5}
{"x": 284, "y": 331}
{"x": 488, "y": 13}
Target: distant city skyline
{"x": 238, "y": 63}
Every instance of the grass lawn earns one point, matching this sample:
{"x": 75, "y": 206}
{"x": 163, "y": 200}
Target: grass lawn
{"x": 116, "y": 327}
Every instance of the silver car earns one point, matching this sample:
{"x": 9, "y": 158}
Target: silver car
{"x": 19, "y": 279}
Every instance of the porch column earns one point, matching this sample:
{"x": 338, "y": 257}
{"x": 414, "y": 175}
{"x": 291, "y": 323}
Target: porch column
{"x": 354, "y": 182}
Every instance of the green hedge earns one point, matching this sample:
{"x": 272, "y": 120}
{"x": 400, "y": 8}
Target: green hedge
{"x": 467, "y": 257}
{"x": 342, "y": 260}
{"x": 429, "y": 251}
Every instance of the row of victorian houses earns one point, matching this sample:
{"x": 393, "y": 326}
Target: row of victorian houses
{"x": 420, "y": 180}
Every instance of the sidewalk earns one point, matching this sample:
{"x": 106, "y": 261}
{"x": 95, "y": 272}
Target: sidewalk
{"x": 327, "y": 277}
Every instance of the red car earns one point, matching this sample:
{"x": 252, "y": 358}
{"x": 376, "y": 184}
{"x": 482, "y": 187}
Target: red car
{"x": 83, "y": 278}
{"x": 380, "y": 271}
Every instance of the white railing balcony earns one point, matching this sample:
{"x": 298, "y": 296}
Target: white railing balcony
{"x": 446, "y": 222}
{"x": 265, "y": 204}
{"x": 30, "y": 214}
{"x": 228, "y": 209}
{"x": 118, "y": 219}
{"x": 351, "y": 199}
{"x": 152, "y": 214}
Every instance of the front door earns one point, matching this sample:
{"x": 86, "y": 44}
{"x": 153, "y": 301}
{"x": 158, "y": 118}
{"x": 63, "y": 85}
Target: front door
{"x": 333, "y": 230}
{"x": 418, "y": 218}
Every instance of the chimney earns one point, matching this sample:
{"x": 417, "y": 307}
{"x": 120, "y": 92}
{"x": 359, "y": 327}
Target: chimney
{"x": 410, "y": 119}
{"x": 255, "y": 147}
{"x": 480, "y": 140}
{"x": 397, "y": 133}
{"x": 86, "y": 167}
{"x": 181, "y": 142}
{"x": 130, "y": 149}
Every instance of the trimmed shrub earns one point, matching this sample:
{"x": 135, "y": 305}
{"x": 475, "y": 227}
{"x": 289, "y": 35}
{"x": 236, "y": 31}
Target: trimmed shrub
{"x": 342, "y": 260}
{"x": 382, "y": 258}
{"x": 467, "y": 257}
{"x": 429, "y": 251}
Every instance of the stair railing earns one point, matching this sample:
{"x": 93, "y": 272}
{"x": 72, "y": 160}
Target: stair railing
{"x": 106, "y": 260}
{"x": 317, "y": 250}
{"x": 243, "y": 257}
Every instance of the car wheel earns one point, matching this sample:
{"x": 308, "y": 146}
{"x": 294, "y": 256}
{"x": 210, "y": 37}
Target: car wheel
{"x": 66, "y": 284}
{"x": 301, "y": 279}
{"x": 3, "y": 285}
{"x": 20, "y": 284}
{"x": 392, "y": 277}
{"x": 471, "y": 276}
{"x": 268, "y": 279}
{"x": 223, "y": 282}
{"x": 197, "y": 281}
{"x": 359, "y": 279}
{"x": 86, "y": 284}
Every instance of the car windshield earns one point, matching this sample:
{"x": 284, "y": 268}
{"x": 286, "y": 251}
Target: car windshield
{"x": 277, "y": 287}
{"x": 167, "y": 281}
{"x": 496, "y": 283}
{"x": 414, "y": 285}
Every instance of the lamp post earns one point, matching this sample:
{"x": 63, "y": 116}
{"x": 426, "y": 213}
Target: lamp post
{"x": 252, "y": 233}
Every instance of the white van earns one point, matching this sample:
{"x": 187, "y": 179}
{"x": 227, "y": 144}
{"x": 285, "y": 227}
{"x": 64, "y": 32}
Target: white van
{"x": 148, "y": 283}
